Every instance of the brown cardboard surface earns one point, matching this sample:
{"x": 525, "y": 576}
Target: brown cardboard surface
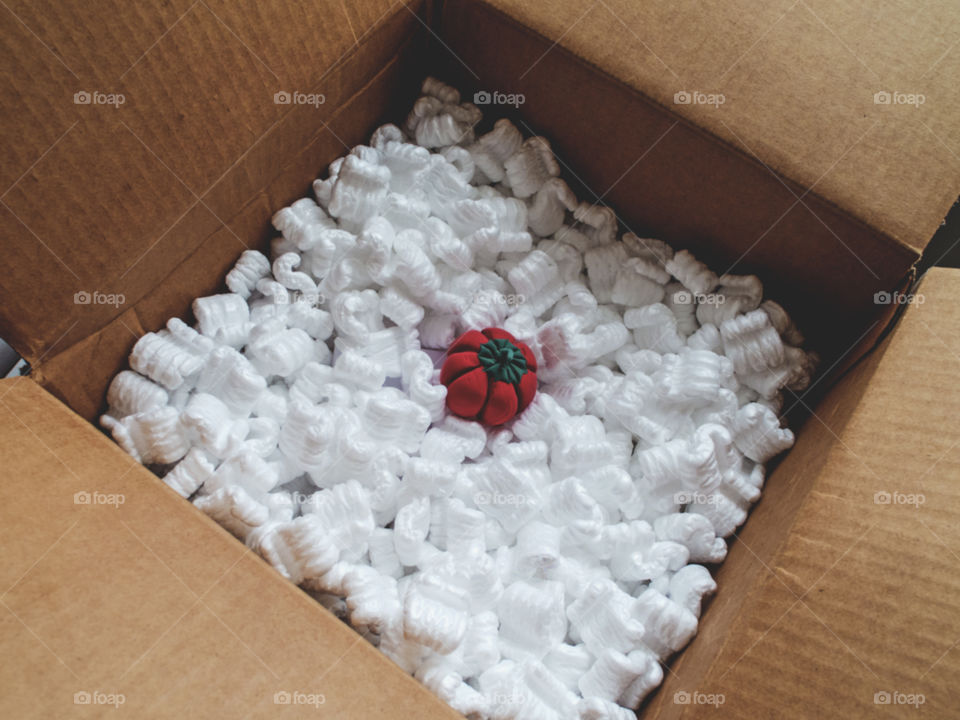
{"x": 826, "y": 598}
{"x": 830, "y": 595}
{"x": 201, "y": 157}
{"x": 112, "y": 200}
{"x": 667, "y": 178}
{"x": 150, "y": 599}
{"x": 80, "y": 373}
{"x": 799, "y": 79}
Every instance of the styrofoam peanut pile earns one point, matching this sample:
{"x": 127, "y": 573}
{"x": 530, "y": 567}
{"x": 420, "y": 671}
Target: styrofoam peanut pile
{"x": 542, "y": 569}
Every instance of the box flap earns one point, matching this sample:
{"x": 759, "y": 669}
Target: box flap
{"x": 114, "y": 586}
{"x": 857, "y": 101}
{"x": 79, "y": 374}
{"x": 842, "y": 592}
{"x": 134, "y": 135}
{"x": 667, "y": 177}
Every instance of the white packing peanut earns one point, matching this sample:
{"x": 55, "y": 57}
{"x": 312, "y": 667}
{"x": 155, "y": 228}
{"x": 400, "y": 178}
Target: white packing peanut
{"x": 190, "y": 473}
{"x": 541, "y": 569}
{"x": 532, "y": 619}
{"x": 689, "y": 584}
{"x": 211, "y": 426}
{"x": 234, "y": 509}
{"x": 693, "y": 274}
{"x": 152, "y": 436}
{"x": 410, "y": 530}
{"x": 758, "y": 434}
{"x": 434, "y": 616}
{"x": 172, "y": 356}
{"x": 530, "y": 167}
{"x": 130, "y": 393}
{"x": 249, "y": 269}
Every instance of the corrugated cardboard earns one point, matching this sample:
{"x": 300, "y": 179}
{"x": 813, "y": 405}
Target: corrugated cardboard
{"x": 136, "y": 593}
{"x": 669, "y": 173}
{"x": 116, "y": 200}
{"x": 797, "y": 177}
{"x": 829, "y": 595}
{"x": 799, "y": 80}
{"x": 70, "y": 373}
{"x": 839, "y": 586}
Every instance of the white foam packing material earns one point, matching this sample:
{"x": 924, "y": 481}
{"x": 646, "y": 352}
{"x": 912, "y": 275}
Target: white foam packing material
{"x": 543, "y": 569}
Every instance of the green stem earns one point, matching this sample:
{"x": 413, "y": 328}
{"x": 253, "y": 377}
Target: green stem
{"x": 502, "y": 360}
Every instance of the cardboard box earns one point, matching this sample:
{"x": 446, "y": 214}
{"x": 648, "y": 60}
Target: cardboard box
{"x": 145, "y": 150}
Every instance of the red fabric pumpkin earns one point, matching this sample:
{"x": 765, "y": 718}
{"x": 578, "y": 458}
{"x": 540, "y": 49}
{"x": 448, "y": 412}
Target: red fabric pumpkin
{"x": 490, "y": 376}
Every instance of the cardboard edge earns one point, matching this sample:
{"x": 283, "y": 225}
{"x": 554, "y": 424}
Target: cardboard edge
{"x": 869, "y": 363}
{"x": 871, "y": 339}
{"x": 38, "y": 367}
{"x": 866, "y": 357}
{"x": 421, "y": 10}
{"x": 139, "y": 474}
{"x": 886, "y": 238}
{"x": 896, "y": 245}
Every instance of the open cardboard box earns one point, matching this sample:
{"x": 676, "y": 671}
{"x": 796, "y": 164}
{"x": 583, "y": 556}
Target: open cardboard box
{"x": 841, "y": 585}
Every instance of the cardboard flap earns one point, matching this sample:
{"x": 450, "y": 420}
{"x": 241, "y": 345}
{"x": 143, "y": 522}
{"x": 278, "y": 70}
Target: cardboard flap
{"x": 122, "y": 162}
{"x": 116, "y": 587}
{"x": 80, "y": 373}
{"x": 842, "y": 591}
{"x": 668, "y": 178}
{"x": 859, "y": 103}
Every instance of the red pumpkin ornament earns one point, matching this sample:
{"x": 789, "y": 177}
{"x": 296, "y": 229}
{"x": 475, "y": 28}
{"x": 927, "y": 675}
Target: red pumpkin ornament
{"x": 490, "y": 376}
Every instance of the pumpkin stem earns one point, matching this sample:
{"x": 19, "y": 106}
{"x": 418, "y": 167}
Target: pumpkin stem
{"x": 502, "y": 360}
